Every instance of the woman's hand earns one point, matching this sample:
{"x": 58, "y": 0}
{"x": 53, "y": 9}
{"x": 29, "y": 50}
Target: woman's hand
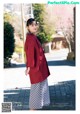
{"x": 27, "y": 71}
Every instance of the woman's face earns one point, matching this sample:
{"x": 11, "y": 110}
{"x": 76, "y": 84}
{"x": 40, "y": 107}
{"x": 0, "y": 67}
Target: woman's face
{"x": 33, "y": 27}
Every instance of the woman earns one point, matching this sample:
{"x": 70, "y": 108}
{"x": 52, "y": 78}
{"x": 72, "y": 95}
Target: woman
{"x": 37, "y": 68}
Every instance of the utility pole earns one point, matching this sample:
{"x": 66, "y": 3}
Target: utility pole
{"x": 22, "y": 18}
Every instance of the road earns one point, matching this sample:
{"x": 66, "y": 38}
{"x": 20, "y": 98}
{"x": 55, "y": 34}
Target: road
{"x": 60, "y": 70}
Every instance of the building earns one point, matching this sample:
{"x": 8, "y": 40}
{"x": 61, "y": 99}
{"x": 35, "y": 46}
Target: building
{"x": 59, "y": 41}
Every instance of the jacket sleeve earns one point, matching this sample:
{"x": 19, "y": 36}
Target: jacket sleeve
{"x": 30, "y": 53}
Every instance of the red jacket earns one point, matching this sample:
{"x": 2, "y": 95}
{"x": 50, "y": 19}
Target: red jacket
{"x": 35, "y": 59}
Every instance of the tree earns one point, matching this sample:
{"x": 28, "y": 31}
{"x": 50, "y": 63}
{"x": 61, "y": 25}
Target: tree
{"x": 49, "y": 21}
{"x": 8, "y": 41}
{"x": 14, "y": 20}
{"x": 69, "y": 35}
{"x": 7, "y": 17}
{"x": 70, "y": 38}
{"x": 39, "y": 14}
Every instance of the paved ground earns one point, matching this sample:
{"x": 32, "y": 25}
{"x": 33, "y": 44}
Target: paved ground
{"x": 56, "y": 58}
{"x": 61, "y": 70}
{"x": 62, "y": 96}
{"x": 61, "y": 84}
{"x": 15, "y": 77}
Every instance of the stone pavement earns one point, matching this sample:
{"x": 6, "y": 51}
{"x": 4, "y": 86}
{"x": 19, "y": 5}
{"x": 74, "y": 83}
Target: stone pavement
{"x": 62, "y": 96}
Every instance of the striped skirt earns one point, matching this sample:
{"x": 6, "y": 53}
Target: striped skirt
{"x": 39, "y": 95}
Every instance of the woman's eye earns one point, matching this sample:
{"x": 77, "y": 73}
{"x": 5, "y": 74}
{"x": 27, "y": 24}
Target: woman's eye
{"x": 34, "y": 24}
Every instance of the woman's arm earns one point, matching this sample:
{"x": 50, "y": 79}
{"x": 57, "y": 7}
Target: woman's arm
{"x": 30, "y": 52}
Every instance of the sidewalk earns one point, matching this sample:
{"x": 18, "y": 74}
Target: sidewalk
{"x": 62, "y": 96}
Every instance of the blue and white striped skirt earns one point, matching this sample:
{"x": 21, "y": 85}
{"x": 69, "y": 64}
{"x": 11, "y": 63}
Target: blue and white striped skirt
{"x": 39, "y": 95}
